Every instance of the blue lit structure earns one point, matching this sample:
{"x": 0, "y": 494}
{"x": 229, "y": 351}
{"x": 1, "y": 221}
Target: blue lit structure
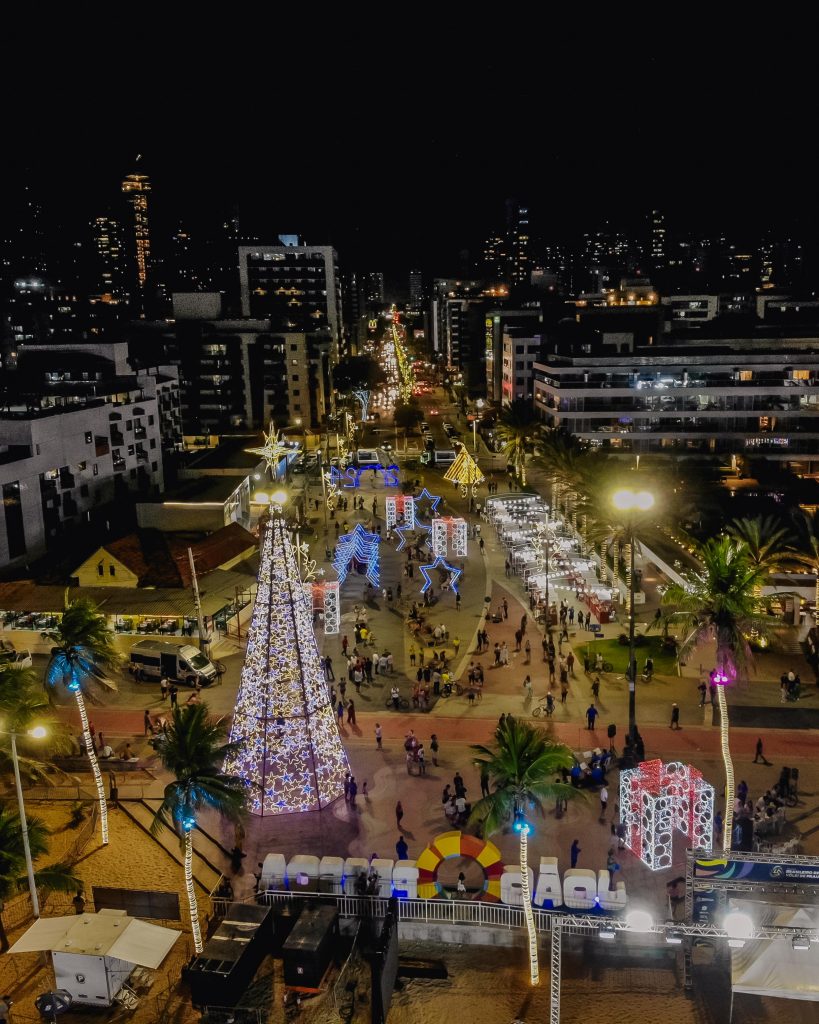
{"x": 454, "y": 574}
{"x": 361, "y": 546}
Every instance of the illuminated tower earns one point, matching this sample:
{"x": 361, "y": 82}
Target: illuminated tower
{"x": 289, "y": 746}
{"x": 136, "y": 188}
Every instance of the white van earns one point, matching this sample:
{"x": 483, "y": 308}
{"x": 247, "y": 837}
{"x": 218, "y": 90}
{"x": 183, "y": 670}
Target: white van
{"x": 439, "y": 456}
{"x": 153, "y": 659}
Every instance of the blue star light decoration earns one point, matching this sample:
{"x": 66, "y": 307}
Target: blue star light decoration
{"x": 361, "y": 546}
{"x": 434, "y": 501}
{"x": 399, "y": 531}
{"x": 454, "y": 574}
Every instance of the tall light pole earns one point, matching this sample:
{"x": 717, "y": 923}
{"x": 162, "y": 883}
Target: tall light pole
{"x": 37, "y": 733}
{"x": 631, "y": 502}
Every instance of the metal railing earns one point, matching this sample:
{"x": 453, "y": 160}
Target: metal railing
{"x": 465, "y": 912}
{"x": 84, "y": 834}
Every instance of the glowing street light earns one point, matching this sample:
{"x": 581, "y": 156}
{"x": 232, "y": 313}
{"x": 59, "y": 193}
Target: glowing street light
{"x": 627, "y": 500}
{"x": 38, "y": 732}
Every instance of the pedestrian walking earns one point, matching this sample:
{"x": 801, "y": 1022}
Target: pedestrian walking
{"x": 575, "y": 852}
{"x": 173, "y": 694}
{"x": 484, "y": 784}
{"x": 595, "y": 688}
{"x": 703, "y": 691}
{"x": 611, "y": 867}
{"x": 347, "y": 778}
{"x": 591, "y": 715}
{"x": 344, "y": 645}
{"x": 401, "y": 849}
{"x": 421, "y": 758}
{"x": 527, "y": 687}
{"x": 604, "y": 802}
{"x": 457, "y": 600}
{"x": 550, "y": 704}
{"x": 146, "y": 721}
{"x": 351, "y": 713}
{"x": 564, "y": 692}
{"x": 353, "y": 791}
{"x": 328, "y": 669}
{"x": 504, "y": 654}
{"x": 718, "y": 830}
{"x": 163, "y": 687}
{"x": 399, "y": 815}
{"x": 505, "y": 605}
{"x": 759, "y": 754}
{"x": 570, "y": 662}
{"x": 412, "y": 654}
{"x": 518, "y": 638}
{"x": 528, "y": 651}
{"x": 340, "y": 713}
{"x": 675, "y": 717}
{"x": 480, "y": 544}
{"x": 378, "y": 736}
{"x": 433, "y": 746}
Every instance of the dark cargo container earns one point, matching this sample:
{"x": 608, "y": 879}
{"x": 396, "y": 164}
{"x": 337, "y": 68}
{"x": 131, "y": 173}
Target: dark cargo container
{"x": 225, "y": 967}
{"x": 309, "y": 948}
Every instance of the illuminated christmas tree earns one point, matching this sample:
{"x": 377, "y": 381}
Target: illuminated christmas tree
{"x": 288, "y": 744}
{"x": 465, "y": 472}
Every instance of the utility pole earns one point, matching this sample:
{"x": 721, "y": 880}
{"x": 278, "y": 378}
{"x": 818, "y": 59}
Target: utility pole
{"x": 204, "y": 640}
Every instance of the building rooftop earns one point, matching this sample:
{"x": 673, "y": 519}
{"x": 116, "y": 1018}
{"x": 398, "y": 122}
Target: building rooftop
{"x": 230, "y": 453}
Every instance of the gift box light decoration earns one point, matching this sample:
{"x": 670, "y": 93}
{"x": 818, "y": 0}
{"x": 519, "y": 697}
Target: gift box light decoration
{"x": 454, "y": 574}
{"x": 446, "y": 529}
{"x": 359, "y": 546}
{"x": 400, "y": 511}
{"x": 288, "y": 745}
{"x": 656, "y": 798}
{"x": 465, "y": 472}
{"x": 323, "y": 596}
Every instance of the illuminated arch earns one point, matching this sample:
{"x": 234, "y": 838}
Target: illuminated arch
{"x": 459, "y": 844}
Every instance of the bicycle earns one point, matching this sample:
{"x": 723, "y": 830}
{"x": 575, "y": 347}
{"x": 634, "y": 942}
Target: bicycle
{"x": 541, "y": 709}
{"x": 403, "y": 704}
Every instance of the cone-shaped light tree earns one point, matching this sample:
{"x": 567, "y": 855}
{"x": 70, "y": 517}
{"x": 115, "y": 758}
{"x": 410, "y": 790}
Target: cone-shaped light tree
{"x": 287, "y": 744}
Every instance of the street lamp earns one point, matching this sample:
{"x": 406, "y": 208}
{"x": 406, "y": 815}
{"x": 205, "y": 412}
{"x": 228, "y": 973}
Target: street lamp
{"x": 37, "y": 733}
{"x": 632, "y": 503}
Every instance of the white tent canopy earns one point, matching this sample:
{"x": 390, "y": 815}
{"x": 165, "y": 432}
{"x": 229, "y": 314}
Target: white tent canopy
{"x": 109, "y": 933}
{"x": 772, "y": 967}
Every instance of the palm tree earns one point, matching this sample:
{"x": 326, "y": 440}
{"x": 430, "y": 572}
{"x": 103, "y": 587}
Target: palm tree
{"x": 516, "y": 430}
{"x": 193, "y": 750}
{"x": 82, "y": 642}
{"x": 521, "y": 769}
{"x": 720, "y": 603}
{"x": 23, "y": 705}
{"x": 809, "y": 534}
{"x": 57, "y": 877}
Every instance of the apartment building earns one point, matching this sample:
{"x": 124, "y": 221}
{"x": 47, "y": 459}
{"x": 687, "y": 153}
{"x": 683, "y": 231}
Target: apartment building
{"x": 78, "y": 427}
{"x": 728, "y": 397}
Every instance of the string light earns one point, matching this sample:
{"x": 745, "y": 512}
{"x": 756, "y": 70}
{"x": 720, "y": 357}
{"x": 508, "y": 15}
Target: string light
{"x": 273, "y": 450}
{"x": 289, "y": 745}
{"x": 449, "y": 528}
{"x": 364, "y": 397}
{"x": 350, "y": 477}
{"x": 454, "y": 574}
{"x": 190, "y": 891}
{"x": 361, "y": 546}
{"x": 402, "y": 505}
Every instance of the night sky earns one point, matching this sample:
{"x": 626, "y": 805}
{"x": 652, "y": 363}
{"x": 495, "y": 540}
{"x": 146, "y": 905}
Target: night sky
{"x": 403, "y": 157}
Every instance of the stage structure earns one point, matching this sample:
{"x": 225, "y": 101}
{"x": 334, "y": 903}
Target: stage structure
{"x": 656, "y": 798}
{"x": 288, "y": 745}
{"x": 447, "y": 529}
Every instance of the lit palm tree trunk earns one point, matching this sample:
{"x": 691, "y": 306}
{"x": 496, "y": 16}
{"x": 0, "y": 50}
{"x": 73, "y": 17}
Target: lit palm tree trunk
{"x": 194, "y": 909}
{"x": 729, "y": 770}
{"x": 95, "y": 767}
{"x": 615, "y": 573}
{"x": 534, "y": 969}
{"x": 629, "y": 590}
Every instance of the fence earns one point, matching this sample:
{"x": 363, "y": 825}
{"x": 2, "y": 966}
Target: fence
{"x": 84, "y": 834}
{"x": 465, "y": 912}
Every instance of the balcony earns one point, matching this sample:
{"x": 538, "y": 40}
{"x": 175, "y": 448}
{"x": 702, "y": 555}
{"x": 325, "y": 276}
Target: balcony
{"x": 119, "y": 465}
{"x": 140, "y": 433}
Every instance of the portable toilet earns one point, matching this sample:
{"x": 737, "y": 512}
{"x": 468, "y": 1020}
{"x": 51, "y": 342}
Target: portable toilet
{"x": 405, "y": 879}
{"x": 353, "y": 866}
{"x": 274, "y": 873}
{"x": 303, "y": 873}
{"x": 331, "y": 874}
{"x": 383, "y": 868}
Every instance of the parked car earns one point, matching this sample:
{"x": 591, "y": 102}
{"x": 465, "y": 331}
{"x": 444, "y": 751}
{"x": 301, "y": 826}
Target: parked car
{"x": 153, "y": 659}
{"x": 15, "y": 659}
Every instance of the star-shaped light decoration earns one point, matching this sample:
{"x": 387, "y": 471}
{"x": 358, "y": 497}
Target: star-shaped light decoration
{"x": 399, "y": 531}
{"x": 434, "y": 501}
{"x": 273, "y": 450}
{"x": 454, "y": 574}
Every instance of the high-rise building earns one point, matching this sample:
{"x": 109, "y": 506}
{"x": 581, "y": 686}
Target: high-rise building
{"x": 495, "y": 260}
{"x": 136, "y": 188}
{"x": 416, "y": 289}
{"x": 109, "y": 281}
{"x": 296, "y": 287}
{"x": 518, "y": 241}
{"x": 658, "y": 240}
{"x": 375, "y": 288}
